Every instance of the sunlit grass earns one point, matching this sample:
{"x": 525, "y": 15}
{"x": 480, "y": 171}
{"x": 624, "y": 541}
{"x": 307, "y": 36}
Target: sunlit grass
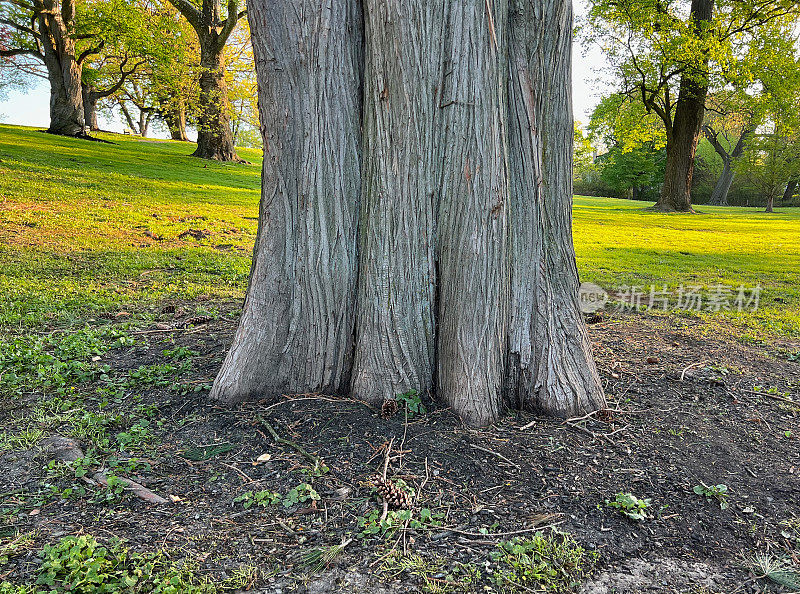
{"x": 89, "y": 227}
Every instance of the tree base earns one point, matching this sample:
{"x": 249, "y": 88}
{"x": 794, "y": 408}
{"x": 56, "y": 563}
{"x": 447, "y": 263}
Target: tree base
{"x": 659, "y": 207}
{"x": 218, "y": 155}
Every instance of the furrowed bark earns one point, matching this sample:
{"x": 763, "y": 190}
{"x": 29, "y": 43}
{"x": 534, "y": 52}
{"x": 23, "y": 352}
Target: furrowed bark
{"x": 550, "y": 364}
{"x": 472, "y": 223}
{"x": 676, "y": 193}
{"x": 395, "y": 340}
{"x": 296, "y": 330}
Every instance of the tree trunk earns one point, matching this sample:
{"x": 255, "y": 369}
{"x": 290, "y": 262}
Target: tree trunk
{"x": 128, "y": 117}
{"x": 467, "y": 282}
{"x": 472, "y": 226}
{"x": 56, "y": 22}
{"x": 770, "y": 203}
{"x": 90, "y": 99}
{"x": 395, "y": 333}
{"x": 788, "y": 195}
{"x": 719, "y": 197}
{"x": 175, "y": 119}
{"x": 676, "y": 193}
{"x": 144, "y": 122}
{"x": 214, "y": 138}
{"x": 296, "y": 330}
{"x": 550, "y": 367}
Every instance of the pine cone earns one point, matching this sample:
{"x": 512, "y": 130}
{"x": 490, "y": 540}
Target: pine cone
{"x": 605, "y": 415}
{"x": 389, "y": 408}
{"x": 197, "y": 320}
{"x": 392, "y": 494}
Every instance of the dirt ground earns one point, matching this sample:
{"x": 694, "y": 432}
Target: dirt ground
{"x": 686, "y": 409}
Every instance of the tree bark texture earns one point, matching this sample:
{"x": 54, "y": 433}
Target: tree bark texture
{"x": 395, "y": 334}
{"x": 461, "y": 202}
{"x": 56, "y": 23}
{"x": 719, "y": 197}
{"x": 296, "y": 331}
{"x": 682, "y": 138}
{"x": 550, "y": 365}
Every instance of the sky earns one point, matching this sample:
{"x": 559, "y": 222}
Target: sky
{"x": 30, "y": 108}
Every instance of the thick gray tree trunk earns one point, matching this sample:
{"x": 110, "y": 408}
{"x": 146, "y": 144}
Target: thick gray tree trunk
{"x": 467, "y": 279}
{"x": 550, "y": 363}
{"x": 472, "y": 225}
{"x": 56, "y": 20}
{"x": 395, "y": 334}
{"x": 296, "y": 331}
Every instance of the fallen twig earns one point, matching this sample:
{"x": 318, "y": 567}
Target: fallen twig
{"x": 297, "y": 447}
{"x": 68, "y": 450}
{"x": 501, "y": 456}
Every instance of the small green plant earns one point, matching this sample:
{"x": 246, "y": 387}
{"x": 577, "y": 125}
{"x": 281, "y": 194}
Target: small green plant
{"x": 552, "y": 562}
{"x": 629, "y": 505}
{"x": 718, "y": 492}
{"x": 81, "y": 565}
{"x": 15, "y": 544}
{"x": 372, "y": 524}
{"x": 412, "y": 402}
{"x": 300, "y": 494}
{"x": 260, "y": 498}
{"x": 780, "y": 570}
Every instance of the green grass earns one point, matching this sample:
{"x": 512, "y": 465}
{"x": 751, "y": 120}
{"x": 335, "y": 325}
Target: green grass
{"x": 77, "y": 221}
{"x": 619, "y": 242}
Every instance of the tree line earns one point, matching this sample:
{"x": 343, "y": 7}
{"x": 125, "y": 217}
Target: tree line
{"x": 179, "y": 62}
{"x": 704, "y": 92}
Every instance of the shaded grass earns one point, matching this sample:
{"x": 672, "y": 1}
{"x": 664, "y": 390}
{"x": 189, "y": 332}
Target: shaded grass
{"x": 87, "y": 228}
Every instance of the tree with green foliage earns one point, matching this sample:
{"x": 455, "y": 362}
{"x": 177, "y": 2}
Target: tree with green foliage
{"x": 634, "y": 161}
{"x": 669, "y": 53}
{"x": 213, "y": 27}
{"x": 107, "y": 38}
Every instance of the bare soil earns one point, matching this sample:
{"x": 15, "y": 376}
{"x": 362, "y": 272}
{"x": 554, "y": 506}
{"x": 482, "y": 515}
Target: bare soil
{"x": 683, "y": 412}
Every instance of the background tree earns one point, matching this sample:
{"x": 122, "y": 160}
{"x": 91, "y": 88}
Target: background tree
{"x": 213, "y": 28}
{"x": 458, "y": 195}
{"x": 669, "y": 53}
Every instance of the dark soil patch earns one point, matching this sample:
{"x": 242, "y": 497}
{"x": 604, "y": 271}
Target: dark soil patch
{"x": 686, "y": 417}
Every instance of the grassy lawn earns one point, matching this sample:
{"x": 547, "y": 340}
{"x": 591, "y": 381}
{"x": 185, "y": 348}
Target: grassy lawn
{"x": 89, "y": 227}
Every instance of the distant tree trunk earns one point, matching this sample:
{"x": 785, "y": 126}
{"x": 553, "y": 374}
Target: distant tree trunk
{"x": 90, "y": 99}
{"x": 175, "y": 118}
{"x": 145, "y": 115}
{"x": 128, "y": 117}
{"x": 770, "y": 203}
{"x": 719, "y": 197}
{"x": 56, "y": 19}
{"x": 214, "y": 138}
{"x": 467, "y": 283}
{"x": 788, "y": 195}
{"x": 684, "y": 134}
